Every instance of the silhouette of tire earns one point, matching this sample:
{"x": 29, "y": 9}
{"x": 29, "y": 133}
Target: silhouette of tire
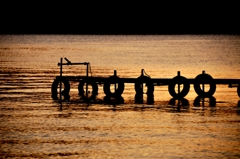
{"x": 113, "y": 80}
{"x": 212, "y": 101}
{"x": 66, "y": 87}
{"x": 206, "y": 79}
{"x": 182, "y": 101}
{"x": 178, "y": 80}
{"x": 238, "y": 90}
{"x": 138, "y": 85}
{"x": 82, "y": 92}
{"x": 114, "y": 100}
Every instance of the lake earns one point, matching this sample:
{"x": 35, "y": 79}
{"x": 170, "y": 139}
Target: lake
{"x": 32, "y": 124}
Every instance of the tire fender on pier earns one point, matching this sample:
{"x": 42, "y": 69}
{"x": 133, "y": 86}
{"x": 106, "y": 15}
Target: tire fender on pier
{"x": 113, "y": 80}
{"x": 178, "y": 80}
{"x": 81, "y": 90}
{"x": 65, "y": 91}
{"x": 204, "y": 79}
{"x": 138, "y": 85}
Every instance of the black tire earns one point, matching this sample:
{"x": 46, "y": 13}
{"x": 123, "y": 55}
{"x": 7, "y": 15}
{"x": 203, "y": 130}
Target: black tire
{"x": 206, "y": 79}
{"x": 82, "y": 92}
{"x": 113, "y": 80}
{"x": 65, "y": 91}
{"x": 139, "y": 82}
{"x": 178, "y": 80}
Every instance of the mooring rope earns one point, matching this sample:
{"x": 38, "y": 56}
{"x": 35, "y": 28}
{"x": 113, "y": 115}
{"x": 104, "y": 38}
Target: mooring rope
{"x": 146, "y": 73}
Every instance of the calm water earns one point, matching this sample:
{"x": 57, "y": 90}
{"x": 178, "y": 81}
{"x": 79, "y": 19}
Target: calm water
{"x": 31, "y": 124}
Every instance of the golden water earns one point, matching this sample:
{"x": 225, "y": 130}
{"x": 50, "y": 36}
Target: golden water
{"x": 31, "y": 124}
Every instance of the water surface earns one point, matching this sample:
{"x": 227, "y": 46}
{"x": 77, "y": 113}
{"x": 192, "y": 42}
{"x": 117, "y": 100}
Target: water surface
{"x": 31, "y": 124}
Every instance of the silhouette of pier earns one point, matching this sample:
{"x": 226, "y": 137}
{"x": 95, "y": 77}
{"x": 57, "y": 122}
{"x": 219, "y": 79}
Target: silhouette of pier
{"x": 178, "y": 86}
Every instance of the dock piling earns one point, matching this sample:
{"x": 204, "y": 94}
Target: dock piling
{"x": 115, "y": 84}
{"x": 203, "y": 72}
{"x": 142, "y": 71}
{"x": 60, "y": 89}
{"x": 87, "y": 81}
{"x": 178, "y": 74}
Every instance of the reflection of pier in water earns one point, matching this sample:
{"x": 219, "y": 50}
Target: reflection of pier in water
{"x": 113, "y": 86}
{"x": 203, "y": 106}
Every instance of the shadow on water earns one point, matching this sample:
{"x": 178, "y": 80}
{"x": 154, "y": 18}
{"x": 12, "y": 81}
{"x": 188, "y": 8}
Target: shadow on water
{"x": 64, "y": 115}
{"x": 205, "y": 101}
{"x": 207, "y": 105}
{"x": 179, "y": 103}
{"x": 113, "y": 100}
{"x": 238, "y": 108}
{"x": 139, "y": 99}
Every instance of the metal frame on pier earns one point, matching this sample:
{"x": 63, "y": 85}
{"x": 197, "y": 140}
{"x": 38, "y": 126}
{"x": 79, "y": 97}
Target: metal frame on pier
{"x": 70, "y": 63}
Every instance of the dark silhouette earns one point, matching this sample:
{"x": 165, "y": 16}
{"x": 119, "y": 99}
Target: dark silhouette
{"x": 118, "y": 83}
{"x": 199, "y": 100}
{"x": 113, "y": 100}
{"x": 180, "y": 102}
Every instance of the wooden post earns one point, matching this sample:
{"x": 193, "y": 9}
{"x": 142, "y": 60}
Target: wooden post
{"x": 87, "y": 82}
{"x": 60, "y": 89}
{"x": 115, "y": 87}
{"x": 142, "y": 79}
{"x": 115, "y": 84}
{"x": 178, "y": 73}
{"x": 203, "y": 72}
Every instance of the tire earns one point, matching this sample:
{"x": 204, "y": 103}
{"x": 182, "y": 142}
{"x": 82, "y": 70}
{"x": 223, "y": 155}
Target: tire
{"x": 66, "y": 87}
{"x": 82, "y": 92}
{"x": 178, "y": 80}
{"x": 149, "y": 84}
{"x": 113, "y": 80}
{"x": 206, "y": 79}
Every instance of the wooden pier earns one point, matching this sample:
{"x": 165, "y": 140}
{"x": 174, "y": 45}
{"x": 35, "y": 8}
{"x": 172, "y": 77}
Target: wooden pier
{"x": 199, "y": 83}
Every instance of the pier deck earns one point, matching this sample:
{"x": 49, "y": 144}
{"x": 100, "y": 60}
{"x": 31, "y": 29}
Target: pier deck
{"x": 101, "y": 80}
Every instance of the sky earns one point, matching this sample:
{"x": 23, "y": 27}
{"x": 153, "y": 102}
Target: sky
{"x": 119, "y": 18}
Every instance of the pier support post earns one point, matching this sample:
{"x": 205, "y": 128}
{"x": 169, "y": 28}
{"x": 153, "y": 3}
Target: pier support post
{"x": 178, "y": 74}
{"x": 60, "y": 89}
{"x": 115, "y": 84}
{"x": 142, "y": 77}
{"x": 203, "y": 72}
{"x": 87, "y": 82}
